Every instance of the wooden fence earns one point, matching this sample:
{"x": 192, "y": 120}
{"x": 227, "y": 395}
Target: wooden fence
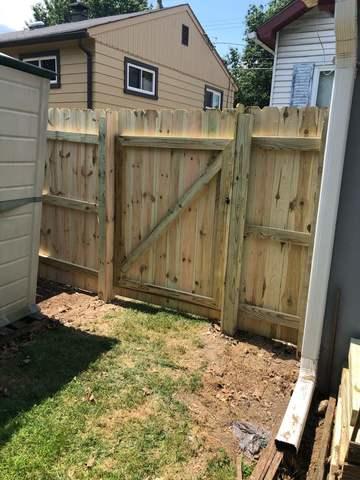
{"x": 212, "y": 213}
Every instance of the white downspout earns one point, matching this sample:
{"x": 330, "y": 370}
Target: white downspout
{"x": 293, "y": 424}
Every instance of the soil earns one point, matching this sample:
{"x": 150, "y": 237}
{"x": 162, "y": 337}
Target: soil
{"x": 248, "y": 378}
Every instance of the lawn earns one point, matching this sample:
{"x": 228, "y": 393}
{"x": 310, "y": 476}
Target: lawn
{"x": 79, "y": 405}
{"x": 131, "y": 392}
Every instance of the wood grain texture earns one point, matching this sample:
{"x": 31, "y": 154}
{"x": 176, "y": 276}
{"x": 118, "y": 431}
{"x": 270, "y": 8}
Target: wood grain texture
{"x": 325, "y": 440}
{"x": 58, "y": 201}
{"x": 106, "y": 209}
{"x": 69, "y": 229}
{"x": 73, "y": 137}
{"x": 166, "y": 200}
{"x": 172, "y": 142}
{"x": 287, "y": 143}
{"x": 172, "y": 214}
{"x": 238, "y": 199}
{"x": 280, "y": 219}
{"x": 354, "y": 370}
{"x": 279, "y": 234}
{"x": 167, "y": 208}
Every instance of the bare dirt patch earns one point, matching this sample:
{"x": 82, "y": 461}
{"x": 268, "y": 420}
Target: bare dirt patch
{"x": 248, "y": 378}
{"x": 172, "y": 379}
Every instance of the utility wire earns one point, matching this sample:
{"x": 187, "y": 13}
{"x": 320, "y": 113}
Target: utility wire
{"x": 229, "y": 43}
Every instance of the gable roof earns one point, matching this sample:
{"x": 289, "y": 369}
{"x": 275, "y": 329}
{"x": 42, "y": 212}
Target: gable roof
{"x": 266, "y": 33}
{"x": 70, "y": 30}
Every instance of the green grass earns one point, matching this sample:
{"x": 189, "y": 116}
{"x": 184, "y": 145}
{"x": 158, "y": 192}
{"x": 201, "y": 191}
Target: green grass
{"x": 84, "y": 406}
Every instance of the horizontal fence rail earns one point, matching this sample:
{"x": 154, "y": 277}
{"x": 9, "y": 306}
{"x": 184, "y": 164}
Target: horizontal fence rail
{"x": 216, "y": 218}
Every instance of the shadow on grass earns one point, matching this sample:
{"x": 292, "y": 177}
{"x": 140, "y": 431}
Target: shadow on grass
{"x": 36, "y": 369}
{"x": 152, "y": 309}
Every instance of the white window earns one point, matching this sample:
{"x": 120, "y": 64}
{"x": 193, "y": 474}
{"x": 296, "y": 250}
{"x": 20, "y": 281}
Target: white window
{"x": 322, "y": 86}
{"x": 140, "y": 79}
{"x": 47, "y": 61}
{"x": 213, "y": 98}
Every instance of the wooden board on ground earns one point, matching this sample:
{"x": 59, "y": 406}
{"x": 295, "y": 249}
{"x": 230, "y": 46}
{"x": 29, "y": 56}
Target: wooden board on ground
{"x": 325, "y": 440}
{"x": 345, "y": 450}
{"x": 354, "y": 367}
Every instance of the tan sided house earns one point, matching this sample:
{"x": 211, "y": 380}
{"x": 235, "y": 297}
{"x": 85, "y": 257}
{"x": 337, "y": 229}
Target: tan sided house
{"x": 151, "y": 59}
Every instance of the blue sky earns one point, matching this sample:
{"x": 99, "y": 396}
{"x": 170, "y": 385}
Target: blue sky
{"x": 223, "y": 20}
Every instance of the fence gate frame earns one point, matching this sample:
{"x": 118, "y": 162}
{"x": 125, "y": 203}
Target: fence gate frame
{"x": 83, "y": 143}
{"x": 228, "y": 153}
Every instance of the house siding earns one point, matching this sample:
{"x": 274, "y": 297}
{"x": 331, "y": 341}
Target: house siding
{"x": 152, "y": 39}
{"x": 72, "y": 93}
{"x": 183, "y": 71}
{"x": 310, "y": 39}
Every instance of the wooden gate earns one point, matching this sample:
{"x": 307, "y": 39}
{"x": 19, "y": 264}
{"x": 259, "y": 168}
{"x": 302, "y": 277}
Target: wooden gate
{"x": 173, "y": 179}
{"x": 212, "y": 213}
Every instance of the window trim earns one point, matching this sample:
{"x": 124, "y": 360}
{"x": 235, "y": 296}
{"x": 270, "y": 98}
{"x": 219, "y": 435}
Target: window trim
{"x": 144, "y": 67}
{"x": 316, "y": 79}
{"x": 185, "y": 44}
{"x": 213, "y": 90}
{"x": 48, "y": 54}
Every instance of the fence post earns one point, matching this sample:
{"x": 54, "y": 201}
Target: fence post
{"x": 238, "y": 199}
{"x": 106, "y": 207}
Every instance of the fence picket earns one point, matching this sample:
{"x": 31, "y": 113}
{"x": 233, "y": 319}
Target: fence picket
{"x": 159, "y": 220}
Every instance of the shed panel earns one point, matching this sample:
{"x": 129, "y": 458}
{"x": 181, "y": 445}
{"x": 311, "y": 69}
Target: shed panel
{"x": 23, "y": 123}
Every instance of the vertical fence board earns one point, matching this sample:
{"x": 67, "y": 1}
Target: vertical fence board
{"x": 106, "y": 211}
{"x": 136, "y": 187}
{"x": 238, "y": 199}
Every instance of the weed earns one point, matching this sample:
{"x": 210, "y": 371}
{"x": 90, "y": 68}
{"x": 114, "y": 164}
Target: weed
{"x": 220, "y": 468}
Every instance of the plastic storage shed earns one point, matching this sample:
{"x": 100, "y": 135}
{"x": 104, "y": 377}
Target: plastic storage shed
{"x": 23, "y": 123}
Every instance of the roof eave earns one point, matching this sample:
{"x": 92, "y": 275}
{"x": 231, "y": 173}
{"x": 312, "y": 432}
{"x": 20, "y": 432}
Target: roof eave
{"x": 267, "y": 32}
{"x": 57, "y": 37}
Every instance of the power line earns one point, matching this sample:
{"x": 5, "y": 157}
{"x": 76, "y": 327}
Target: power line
{"x": 228, "y": 43}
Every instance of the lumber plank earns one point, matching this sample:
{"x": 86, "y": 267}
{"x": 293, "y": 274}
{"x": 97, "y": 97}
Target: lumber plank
{"x": 287, "y": 143}
{"x": 73, "y": 137}
{"x": 106, "y": 206}
{"x": 325, "y": 439}
{"x": 345, "y": 414}
{"x": 274, "y": 466}
{"x": 238, "y": 202}
{"x": 354, "y": 369}
{"x": 183, "y": 143}
{"x": 222, "y": 216}
{"x": 70, "y": 203}
{"x": 278, "y": 234}
{"x": 336, "y": 439}
{"x": 272, "y": 316}
{"x": 270, "y": 459}
{"x": 167, "y": 292}
{"x": 173, "y": 213}
{"x": 65, "y": 265}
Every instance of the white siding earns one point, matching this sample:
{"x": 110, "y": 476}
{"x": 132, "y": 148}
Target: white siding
{"x": 310, "y": 39}
{"x": 23, "y": 121}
